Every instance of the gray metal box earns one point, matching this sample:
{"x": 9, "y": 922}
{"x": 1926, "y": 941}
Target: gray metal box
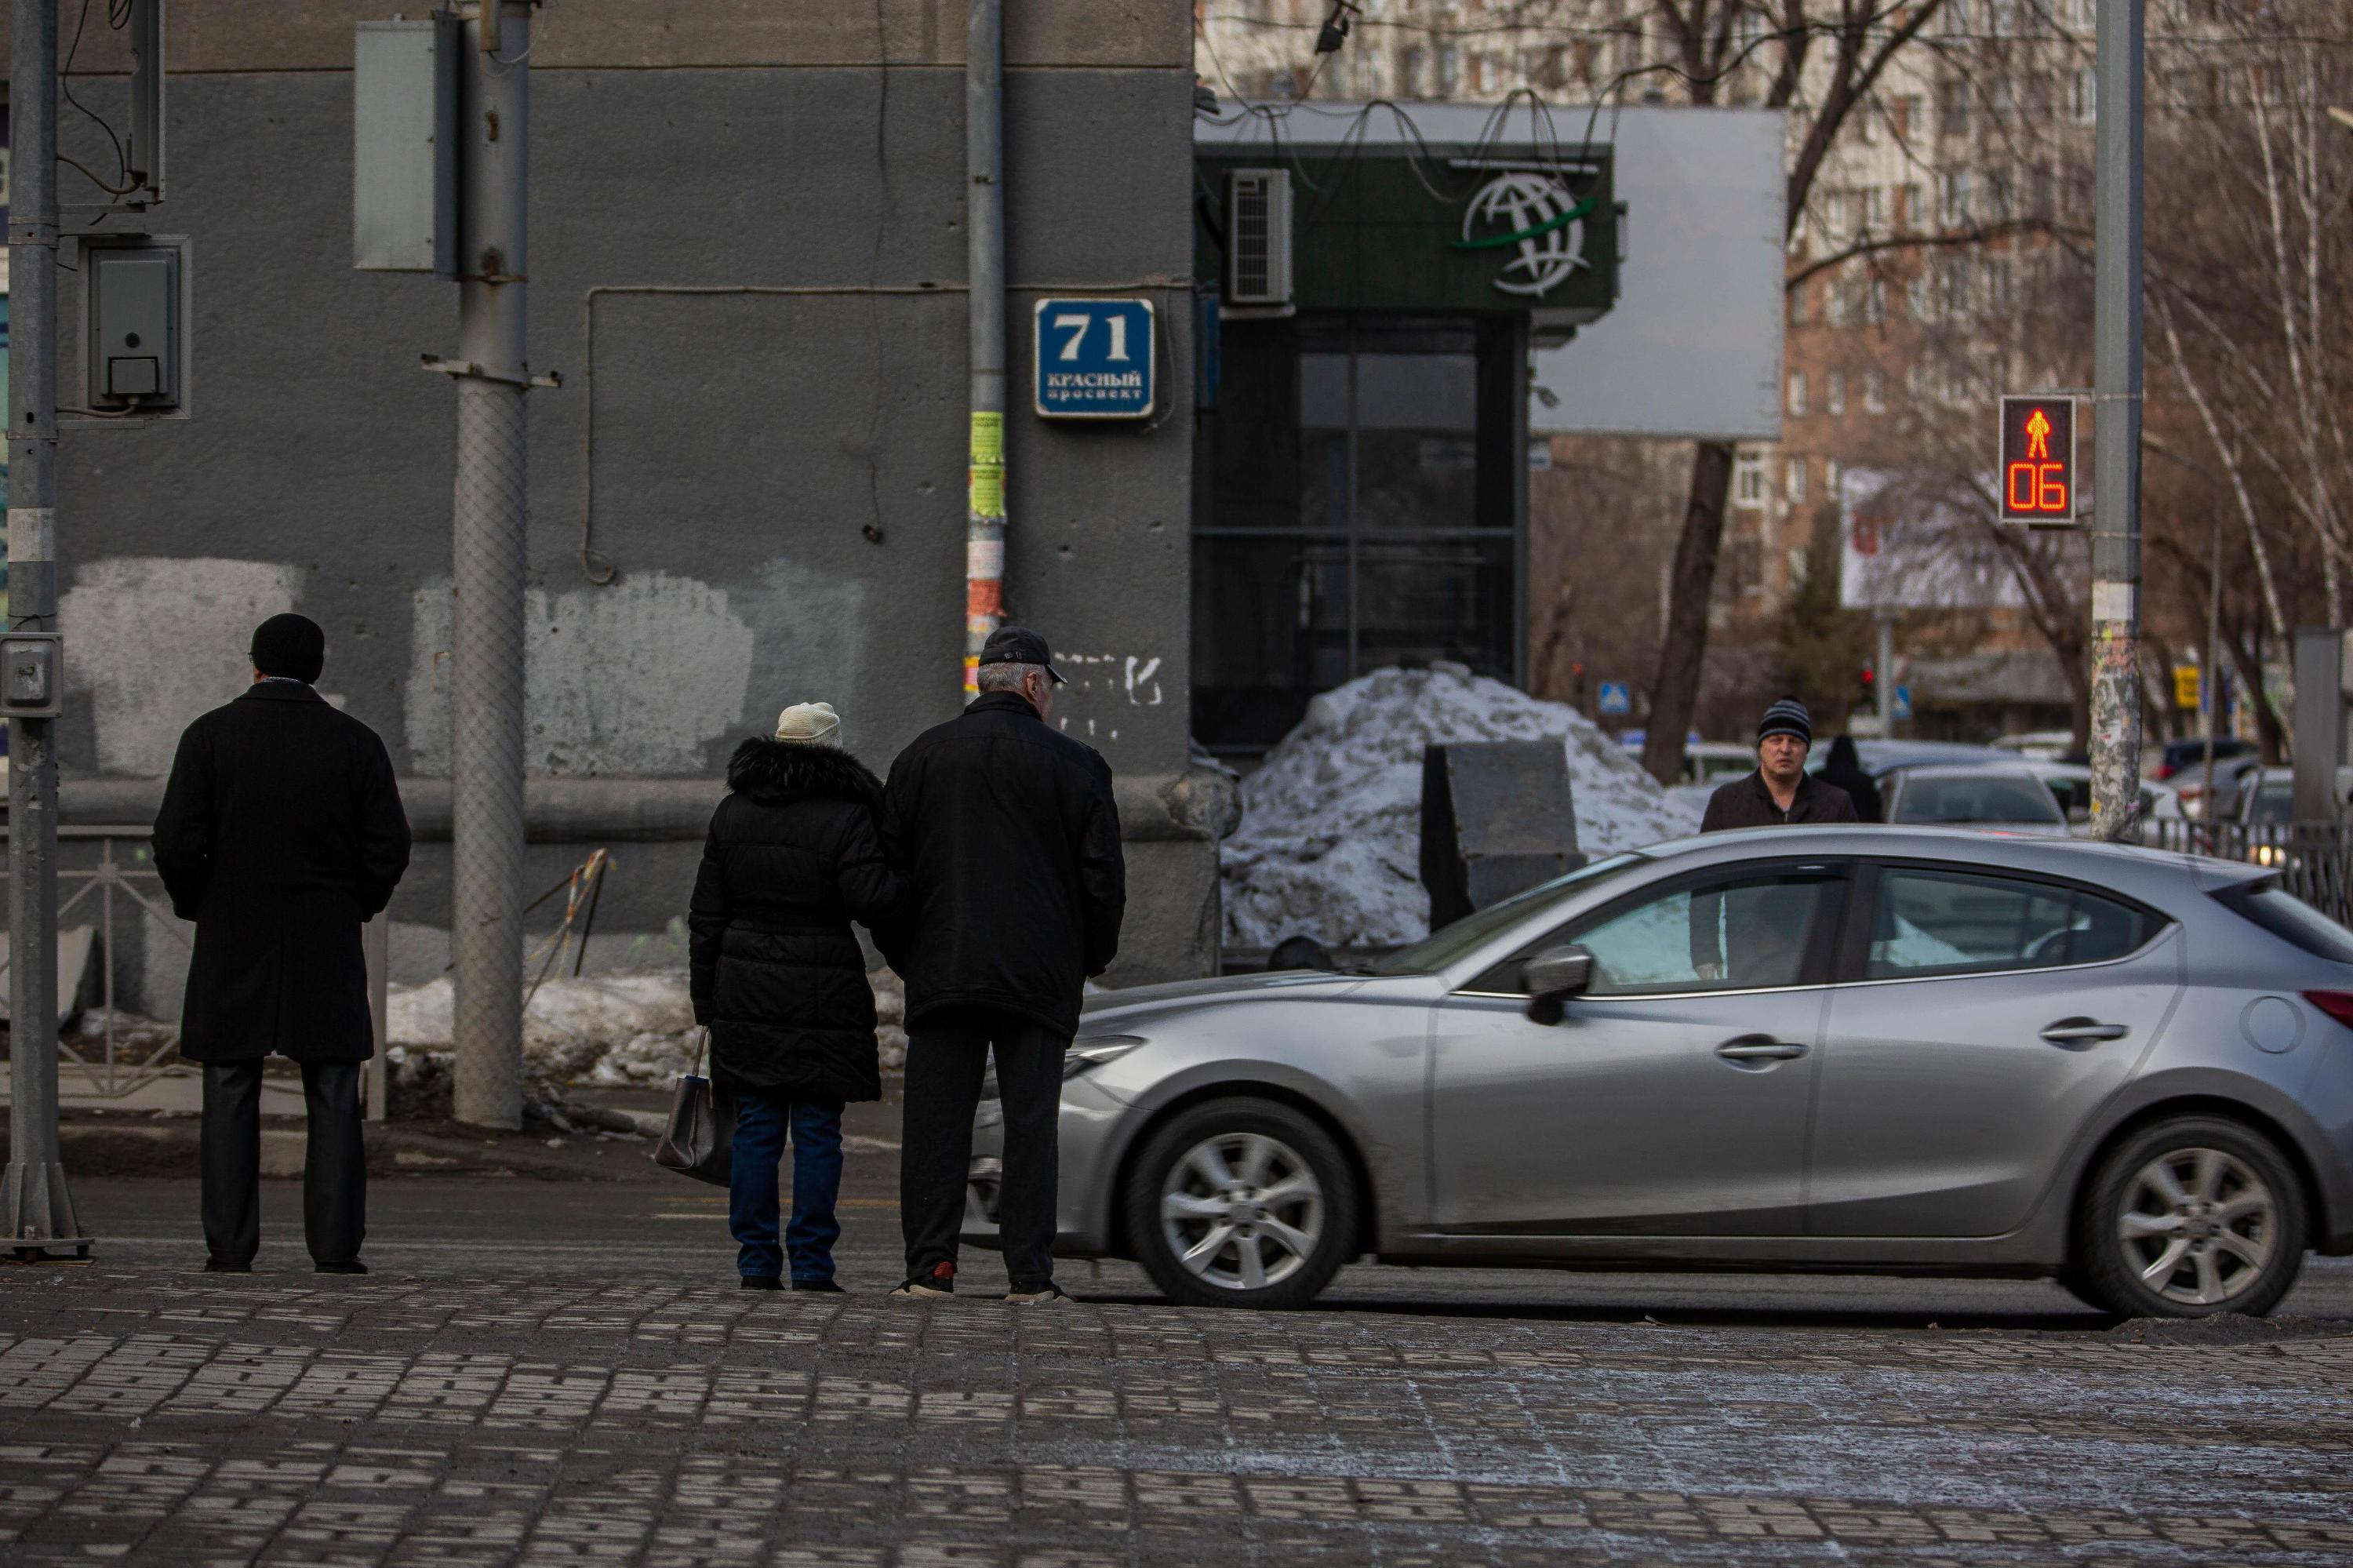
{"x": 404, "y": 146}
{"x": 135, "y": 302}
{"x": 32, "y": 677}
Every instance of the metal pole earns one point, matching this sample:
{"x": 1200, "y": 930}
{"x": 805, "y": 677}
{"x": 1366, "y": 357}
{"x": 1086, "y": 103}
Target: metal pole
{"x": 376, "y": 941}
{"x": 487, "y": 556}
{"x": 1882, "y": 686}
{"x": 2210, "y": 673}
{"x": 2116, "y": 381}
{"x": 35, "y": 1209}
{"x": 984, "y": 168}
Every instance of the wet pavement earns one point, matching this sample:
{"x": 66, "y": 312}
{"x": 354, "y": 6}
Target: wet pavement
{"x": 554, "y": 1372}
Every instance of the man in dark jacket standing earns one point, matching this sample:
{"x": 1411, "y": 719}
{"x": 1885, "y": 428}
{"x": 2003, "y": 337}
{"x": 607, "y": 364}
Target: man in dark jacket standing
{"x": 1005, "y": 833}
{"x": 1780, "y": 792}
{"x": 280, "y": 834}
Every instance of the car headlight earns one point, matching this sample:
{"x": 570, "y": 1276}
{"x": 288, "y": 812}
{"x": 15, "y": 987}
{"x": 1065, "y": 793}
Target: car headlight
{"x": 1086, "y": 1055}
{"x": 1083, "y": 1057}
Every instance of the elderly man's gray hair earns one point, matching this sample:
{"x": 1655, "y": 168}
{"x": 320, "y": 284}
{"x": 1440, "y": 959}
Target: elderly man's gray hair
{"x": 1006, "y": 677}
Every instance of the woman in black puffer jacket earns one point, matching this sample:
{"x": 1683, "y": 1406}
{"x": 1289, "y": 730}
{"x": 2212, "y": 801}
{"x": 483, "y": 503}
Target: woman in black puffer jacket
{"x": 778, "y": 978}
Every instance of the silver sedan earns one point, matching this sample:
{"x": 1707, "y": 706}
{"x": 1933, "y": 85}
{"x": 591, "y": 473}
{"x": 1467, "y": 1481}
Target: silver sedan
{"x": 1887, "y": 1049}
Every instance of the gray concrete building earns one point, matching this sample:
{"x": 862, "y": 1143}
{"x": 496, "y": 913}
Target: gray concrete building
{"x": 747, "y": 262}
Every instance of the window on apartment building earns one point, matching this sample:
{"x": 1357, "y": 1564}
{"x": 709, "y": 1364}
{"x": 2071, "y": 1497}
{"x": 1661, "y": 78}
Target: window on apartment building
{"x": 1953, "y": 107}
{"x": 1794, "y": 395}
{"x": 1958, "y": 381}
{"x": 1874, "y": 303}
{"x": 1953, "y": 198}
{"x": 2001, "y": 100}
{"x": 1909, "y": 116}
{"x": 1409, "y": 70}
{"x": 1798, "y": 296}
{"x": 1958, "y": 19}
{"x": 1837, "y": 303}
{"x": 1449, "y": 72}
{"x": 2088, "y": 96}
{"x": 2001, "y": 17}
{"x": 1874, "y": 391}
{"x": 1830, "y": 474}
{"x": 1553, "y": 70}
{"x": 1873, "y": 203}
{"x": 1909, "y": 214}
{"x": 1835, "y": 392}
{"x": 1868, "y": 121}
{"x": 1915, "y": 381}
{"x": 1748, "y": 565}
{"x": 1917, "y": 300}
{"x": 1793, "y": 481}
{"x": 1834, "y": 216}
{"x": 2000, "y": 201}
{"x": 1748, "y": 479}
{"x": 1998, "y": 294}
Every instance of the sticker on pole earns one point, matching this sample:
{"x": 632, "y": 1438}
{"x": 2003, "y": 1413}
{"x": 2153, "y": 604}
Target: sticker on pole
{"x": 1095, "y": 359}
{"x": 2037, "y": 461}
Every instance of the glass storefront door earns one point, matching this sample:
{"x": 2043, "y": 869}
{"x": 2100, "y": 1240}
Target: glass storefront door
{"x": 1360, "y": 500}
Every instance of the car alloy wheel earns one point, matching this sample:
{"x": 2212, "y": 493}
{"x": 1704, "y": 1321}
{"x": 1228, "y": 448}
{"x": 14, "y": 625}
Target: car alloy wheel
{"x": 1241, "y": 1210}
{"x": 1241, "y": 1203}
{"x": 2191, "y": 1216}
{"x": 2200, "y": 1226}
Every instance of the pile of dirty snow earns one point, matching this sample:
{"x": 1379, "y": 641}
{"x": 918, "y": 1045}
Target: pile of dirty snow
{"x": 1330, "y": 841}
{"x": 626, "y": 1029}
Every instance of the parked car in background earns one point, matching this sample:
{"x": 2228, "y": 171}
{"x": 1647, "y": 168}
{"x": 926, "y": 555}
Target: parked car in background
{"x": 2228, "y": 774}
{"x": 2039, "y": 745}
{"x": 1976, "y": 794}
{"x": 1819, "y": 1048}
{"x": 2070, "y": 784}
{"x": 1878, "y": 756}
{"x": 1713, "y": 761}
{"x": 2176, "y": 754}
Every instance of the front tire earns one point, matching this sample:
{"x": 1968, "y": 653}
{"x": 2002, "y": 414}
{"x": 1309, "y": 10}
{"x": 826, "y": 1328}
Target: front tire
{"x": 2189, "y": 1218}
{"x": 1241, "y": 1203}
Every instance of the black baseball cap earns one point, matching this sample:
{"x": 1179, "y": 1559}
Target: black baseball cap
{"x": 1019, "y": 645}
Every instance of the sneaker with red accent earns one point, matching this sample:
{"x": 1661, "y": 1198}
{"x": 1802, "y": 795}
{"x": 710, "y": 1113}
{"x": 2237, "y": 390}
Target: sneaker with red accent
{"x": 940, "y": 1281}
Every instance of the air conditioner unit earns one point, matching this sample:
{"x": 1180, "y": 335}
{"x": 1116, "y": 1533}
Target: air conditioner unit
{"x": 1258, "y": 241}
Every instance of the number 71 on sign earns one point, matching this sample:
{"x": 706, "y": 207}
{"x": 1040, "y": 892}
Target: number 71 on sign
{"x": 2037, "y": 461}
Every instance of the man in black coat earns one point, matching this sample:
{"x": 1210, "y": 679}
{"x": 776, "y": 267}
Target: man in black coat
{"x": 280, "y": 834}
{"x": 1005, "y": 833}
{"x": 1743, "y": 936}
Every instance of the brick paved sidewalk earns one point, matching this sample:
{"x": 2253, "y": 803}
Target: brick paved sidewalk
{"x": 153, "y": 1415}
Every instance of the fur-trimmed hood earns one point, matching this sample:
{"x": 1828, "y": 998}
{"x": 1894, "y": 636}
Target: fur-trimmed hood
{"x": 774, "y": 772}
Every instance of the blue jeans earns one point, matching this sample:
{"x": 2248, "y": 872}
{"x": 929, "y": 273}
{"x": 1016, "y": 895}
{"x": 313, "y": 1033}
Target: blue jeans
{"x": 761, "y": 1121}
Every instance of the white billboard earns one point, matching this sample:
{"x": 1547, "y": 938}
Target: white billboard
{"x": 1908, "y": 544}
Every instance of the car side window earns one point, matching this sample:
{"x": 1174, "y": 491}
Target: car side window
{"x": 1927, "y": 923}
{"x": 1733, "y": 932}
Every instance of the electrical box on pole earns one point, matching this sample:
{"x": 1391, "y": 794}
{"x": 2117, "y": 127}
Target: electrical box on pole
{"x": 134, "y": 316}
{"x": 405, "y": 146}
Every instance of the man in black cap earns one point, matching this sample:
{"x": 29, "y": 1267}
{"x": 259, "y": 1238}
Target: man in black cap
{"x": 1780, "y": 791}
{"x": 281, "y": 833}
{"x": 1005, "y": 833}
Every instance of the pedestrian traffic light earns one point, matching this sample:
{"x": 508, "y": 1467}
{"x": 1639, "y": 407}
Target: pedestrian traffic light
{"x": 2037, "y": 461}
{"x": 1866, "y": 687}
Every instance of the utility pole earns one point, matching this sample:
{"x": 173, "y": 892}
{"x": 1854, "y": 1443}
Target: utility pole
{"x": 2117, "y": 386}
{"x": 1883, "y": 683}
{"x": 35, "y": 1209}
{"x": 984, "y": 163}
{"x": 487, "y": 564}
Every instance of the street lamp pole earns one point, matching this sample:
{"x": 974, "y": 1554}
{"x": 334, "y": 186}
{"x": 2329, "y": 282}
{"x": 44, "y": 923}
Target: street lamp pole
{"x": 2116, "y": 382}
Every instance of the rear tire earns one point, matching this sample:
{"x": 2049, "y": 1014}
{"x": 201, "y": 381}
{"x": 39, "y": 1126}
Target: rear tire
{"x": 2188, "y": 1218}
{"x": 1241, "y": 1203}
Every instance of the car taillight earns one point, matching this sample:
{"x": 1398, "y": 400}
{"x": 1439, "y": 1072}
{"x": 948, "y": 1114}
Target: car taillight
{"x": 2165, "y": 770}
{"x": 2338, "y": 1004}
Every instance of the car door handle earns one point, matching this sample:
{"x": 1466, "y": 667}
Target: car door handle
{"x": 2083, "y": 1031}
{"x": 1750, "y": 1048}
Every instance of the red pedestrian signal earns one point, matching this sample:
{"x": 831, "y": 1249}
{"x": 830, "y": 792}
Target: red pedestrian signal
{"x": 2037, "y": 461}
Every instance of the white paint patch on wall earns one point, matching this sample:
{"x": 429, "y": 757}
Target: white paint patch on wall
{"x": 632, "y": 679}
{"x": 157, "y": 640}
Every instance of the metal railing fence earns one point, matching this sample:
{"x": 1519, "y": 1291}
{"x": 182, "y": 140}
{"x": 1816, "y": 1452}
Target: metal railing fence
{"x": 2315, "y": 860}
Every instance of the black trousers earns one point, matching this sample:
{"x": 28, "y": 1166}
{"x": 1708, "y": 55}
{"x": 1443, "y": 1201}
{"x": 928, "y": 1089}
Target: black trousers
{"x": 946, "y": 1055}
{"x": 334, "y": 1165}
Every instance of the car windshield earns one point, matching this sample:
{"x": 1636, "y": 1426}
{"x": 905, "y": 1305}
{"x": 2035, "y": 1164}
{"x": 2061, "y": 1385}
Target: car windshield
{"x": 2274, "y": 803}
{"x": 1445, "y": 946}
{"x": 1977, "y": 797}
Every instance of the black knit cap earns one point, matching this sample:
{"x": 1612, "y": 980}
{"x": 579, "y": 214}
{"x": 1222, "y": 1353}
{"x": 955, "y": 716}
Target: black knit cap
{"x": 289, "y": 645}
{"x": 1787, "y": 717}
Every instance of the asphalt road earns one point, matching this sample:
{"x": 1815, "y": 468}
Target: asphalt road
{"x": 549, "y": 1372}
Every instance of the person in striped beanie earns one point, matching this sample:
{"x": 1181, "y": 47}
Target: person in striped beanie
{"x": 1780, "y": 791}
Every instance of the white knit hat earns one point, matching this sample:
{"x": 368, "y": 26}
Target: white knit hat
{"x": 809, "y": 724}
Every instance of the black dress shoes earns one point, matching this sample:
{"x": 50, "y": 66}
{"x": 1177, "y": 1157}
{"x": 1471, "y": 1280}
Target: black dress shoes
{"x": 214, "y": 1266}
{"x": 763, "y": 1282}
{"x": 354, "y": 1267}
{"x": 823, "y": 1286}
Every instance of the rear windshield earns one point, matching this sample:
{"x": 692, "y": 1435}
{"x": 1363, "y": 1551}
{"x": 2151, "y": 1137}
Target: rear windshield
{"x": 2290, "y": 918}
{"x": 1977, "y": 797}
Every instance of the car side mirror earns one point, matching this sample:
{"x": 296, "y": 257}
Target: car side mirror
{"x": 1554, "y": 976}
